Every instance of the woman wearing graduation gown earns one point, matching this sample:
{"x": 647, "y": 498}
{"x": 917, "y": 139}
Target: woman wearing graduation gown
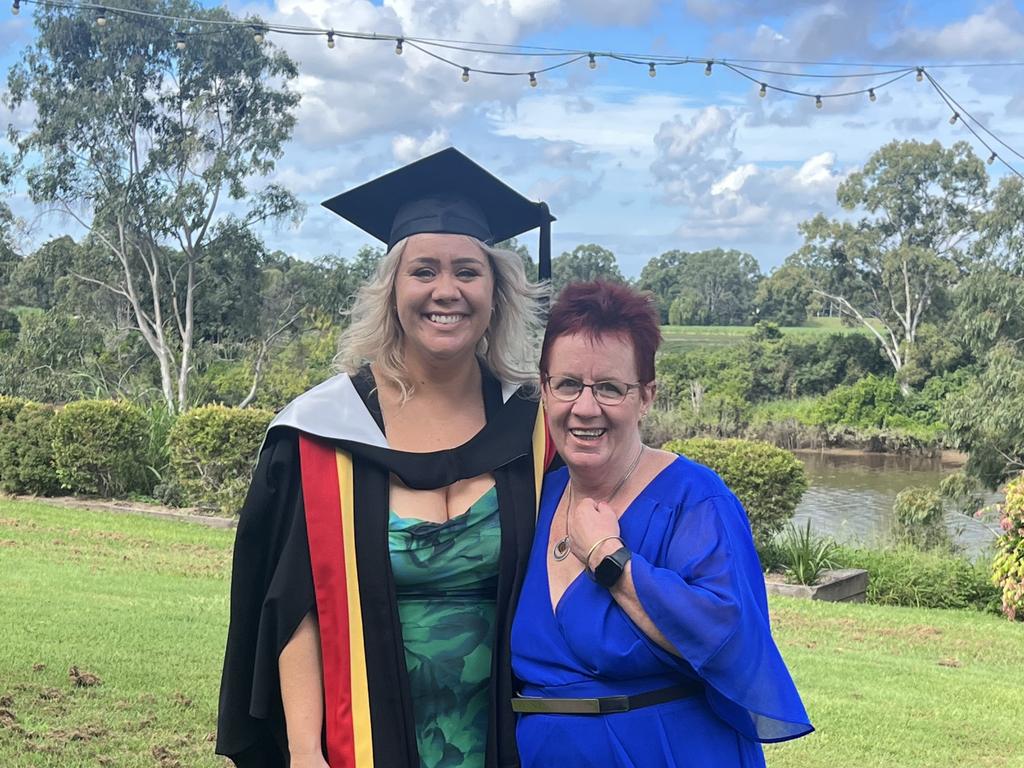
{"x": 641, "y": 637}
{"x": 385, "y": 534}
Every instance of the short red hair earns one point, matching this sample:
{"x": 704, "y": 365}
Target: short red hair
{"x": 599, "y": 308}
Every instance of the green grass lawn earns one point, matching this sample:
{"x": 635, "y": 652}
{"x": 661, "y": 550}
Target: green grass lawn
{"x": 681, "y": 338}
{"x": 142, "y": 604}
{"x": 138, "y": 602}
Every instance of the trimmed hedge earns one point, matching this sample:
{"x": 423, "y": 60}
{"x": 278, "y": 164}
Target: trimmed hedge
{"x": 909, "y": 577}
{"x": 213, "y": 452}
{"x": 99, "y": 447}
{"x": 769, "y": 481}
{"x": 1008, "y": 565}
{"x": 26, "y": 452}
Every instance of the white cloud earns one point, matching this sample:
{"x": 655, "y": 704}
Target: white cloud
{"x": 718, "y": 198}
{"x": 564, "y": 192}
{"x": 407, "y": 148}
{"x": 734, "y": 180}
{"x": 692, "y": 154}
{"x": 817, "y": 170}
{"x": 996, "y": 31}
{"x": 619, "y": 121}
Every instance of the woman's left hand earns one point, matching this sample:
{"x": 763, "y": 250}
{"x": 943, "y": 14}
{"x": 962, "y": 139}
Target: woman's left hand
{"x": 590, "y": 522}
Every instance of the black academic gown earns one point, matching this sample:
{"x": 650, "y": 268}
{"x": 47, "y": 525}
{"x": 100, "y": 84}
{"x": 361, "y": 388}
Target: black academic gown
{"x": 272, "y": 587}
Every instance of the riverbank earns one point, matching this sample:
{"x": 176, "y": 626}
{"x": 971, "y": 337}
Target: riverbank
{"x": 142, "y": 616}
{"x": 949, "y": 459}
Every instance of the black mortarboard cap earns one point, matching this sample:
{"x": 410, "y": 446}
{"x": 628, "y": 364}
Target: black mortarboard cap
{"x": 445, "y": 193}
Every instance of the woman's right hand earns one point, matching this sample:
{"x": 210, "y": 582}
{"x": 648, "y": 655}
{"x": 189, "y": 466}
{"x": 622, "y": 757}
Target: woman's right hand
{"x": 309, "y": 760}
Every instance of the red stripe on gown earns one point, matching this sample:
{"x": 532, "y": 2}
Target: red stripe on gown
{"x": 322, "y": 499}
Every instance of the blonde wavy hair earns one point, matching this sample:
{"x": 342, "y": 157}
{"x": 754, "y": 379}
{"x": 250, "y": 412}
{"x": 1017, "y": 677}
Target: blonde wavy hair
{"x": 509, "y": 346}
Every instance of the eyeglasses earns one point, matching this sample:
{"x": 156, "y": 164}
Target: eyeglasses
{"x": 568, "y": 389}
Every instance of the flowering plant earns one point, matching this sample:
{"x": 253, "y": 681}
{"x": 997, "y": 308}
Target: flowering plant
{"x": 1008, "y": 565}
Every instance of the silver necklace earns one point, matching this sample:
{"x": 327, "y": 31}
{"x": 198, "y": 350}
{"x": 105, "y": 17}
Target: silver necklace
{"x": 561, "y": 549}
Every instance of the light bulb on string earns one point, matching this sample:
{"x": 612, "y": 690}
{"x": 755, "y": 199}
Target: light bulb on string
{"x": 533, "y": 80}
{"x": 257, "y": 35}
{"x": 871, "y": 94}
{"x": 817, "y": 102}
{"x": 16, "y": 7}
{"x": 465, "y": 74}
{"x": 180, "y": 43}
{"x": 101, "y": 17}
{"x": 763, "y": 91}
{"x": 398, "y": 47}
{"x": 707, "y": 69}
{"x": 920, "y": 74}
{"x": 953, "y": 118}
{"x": 330, "y": 39}
{"x": 651, "y": 71}
{"x": 992, "y": 158}
{"x": 593, "y": 61}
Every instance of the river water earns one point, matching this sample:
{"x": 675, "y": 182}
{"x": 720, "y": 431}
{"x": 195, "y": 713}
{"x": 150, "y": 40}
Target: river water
{"x": 852, "y": 494}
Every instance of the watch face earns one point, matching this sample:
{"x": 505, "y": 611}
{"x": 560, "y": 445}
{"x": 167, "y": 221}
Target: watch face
{"x": 610, "y": 569}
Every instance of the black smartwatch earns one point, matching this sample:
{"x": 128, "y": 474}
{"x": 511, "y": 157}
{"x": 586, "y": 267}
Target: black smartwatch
{"x": 609, "y": 570}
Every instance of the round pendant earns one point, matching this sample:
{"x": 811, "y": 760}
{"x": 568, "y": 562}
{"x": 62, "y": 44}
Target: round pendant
{"x": 561, "y": 550}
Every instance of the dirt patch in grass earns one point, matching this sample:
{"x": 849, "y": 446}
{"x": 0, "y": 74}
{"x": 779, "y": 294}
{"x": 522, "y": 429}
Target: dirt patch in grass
{"x": 165, "y": 757}
{"x": 84, "y": 733}
{"x": 82, "y": 679}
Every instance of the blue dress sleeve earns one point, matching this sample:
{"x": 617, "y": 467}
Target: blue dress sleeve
{"x": 705, "y": 593}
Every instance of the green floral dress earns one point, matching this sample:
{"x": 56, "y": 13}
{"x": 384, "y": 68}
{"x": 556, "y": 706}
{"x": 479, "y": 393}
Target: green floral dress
{"x": 446, "y": 577}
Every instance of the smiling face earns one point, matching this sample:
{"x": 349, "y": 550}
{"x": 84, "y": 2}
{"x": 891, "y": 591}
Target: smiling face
{"x": 444, "y": 291}
{"x": 595, "y": 439}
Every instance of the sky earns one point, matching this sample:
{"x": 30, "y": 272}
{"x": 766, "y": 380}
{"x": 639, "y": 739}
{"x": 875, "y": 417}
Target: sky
{"x": 636, "y": 164}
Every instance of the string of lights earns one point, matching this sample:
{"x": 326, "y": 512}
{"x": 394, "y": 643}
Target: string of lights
{"x": 183, "y": 28}
{"x": 958, "y": 112}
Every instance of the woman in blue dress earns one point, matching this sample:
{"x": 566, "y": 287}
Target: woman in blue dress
{"x": 641, "y": 637}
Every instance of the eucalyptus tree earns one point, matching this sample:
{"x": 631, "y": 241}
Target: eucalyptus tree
{"x": 144, "y": 134}
{"x": 716, "y": 287}
{"x": 920, "y": 207}
{"x": 584, "y": 263}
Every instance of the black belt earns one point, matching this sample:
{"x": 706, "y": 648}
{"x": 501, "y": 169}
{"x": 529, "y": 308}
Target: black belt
{"x": 604, "y": 705}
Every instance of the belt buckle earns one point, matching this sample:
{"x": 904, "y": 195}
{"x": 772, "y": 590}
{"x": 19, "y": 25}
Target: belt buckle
{"x": 613, "y": 704}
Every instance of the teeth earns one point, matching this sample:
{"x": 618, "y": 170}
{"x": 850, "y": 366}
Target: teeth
{"x": 445, "y": 319}
{"x": 587, "y": 432}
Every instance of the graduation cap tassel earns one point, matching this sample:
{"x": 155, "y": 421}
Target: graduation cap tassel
{"x": 544, "y": 266}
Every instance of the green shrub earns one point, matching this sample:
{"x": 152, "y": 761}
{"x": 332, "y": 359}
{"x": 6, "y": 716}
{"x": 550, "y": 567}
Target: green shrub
{"x": 99, "y": 447}
{"x": 803, "y": 555}
{"x": 909, "y": 577}
{"x": 918, "y": 519}
{"x": 9, "y": 407}
{"x": 870, "y": 402}
{"x": 769, "y": 481}
{"x": 213, "y": 452}
{"x": 1008, "y": 565}
{"x": 26, "y": 452}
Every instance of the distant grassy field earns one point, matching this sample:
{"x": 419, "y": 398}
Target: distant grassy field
{"x": 681, "y": 338}
{"x": 142, "y": 605}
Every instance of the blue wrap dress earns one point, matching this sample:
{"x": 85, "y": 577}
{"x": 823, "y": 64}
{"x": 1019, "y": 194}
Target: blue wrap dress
{"x": 698, "y": 577}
